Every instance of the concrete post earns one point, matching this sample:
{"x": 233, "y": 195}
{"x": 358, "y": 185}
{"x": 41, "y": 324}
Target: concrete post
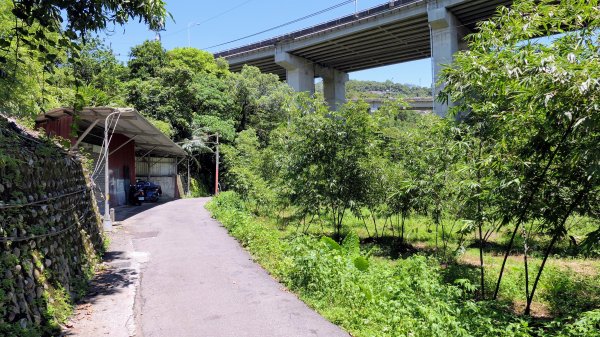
{"x": 300, "y": 72}
{"x": 334, "y": 87}
{"x": 446, "y": 39}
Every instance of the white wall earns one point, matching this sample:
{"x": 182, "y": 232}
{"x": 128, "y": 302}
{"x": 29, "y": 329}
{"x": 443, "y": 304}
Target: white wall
{"x": 163, "y": 171}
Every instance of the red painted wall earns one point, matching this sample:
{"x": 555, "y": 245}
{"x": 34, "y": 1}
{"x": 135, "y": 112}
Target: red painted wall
{"x": 60, "y": 127}
{"x": 121, "y": 163}
{"x": 124, "y": 159}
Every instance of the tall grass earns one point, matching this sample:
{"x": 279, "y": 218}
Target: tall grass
{"x": 371, "y": 297}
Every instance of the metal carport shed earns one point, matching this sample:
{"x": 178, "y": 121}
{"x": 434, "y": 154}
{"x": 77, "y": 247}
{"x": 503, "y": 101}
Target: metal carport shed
{"x": 137, "y": 149}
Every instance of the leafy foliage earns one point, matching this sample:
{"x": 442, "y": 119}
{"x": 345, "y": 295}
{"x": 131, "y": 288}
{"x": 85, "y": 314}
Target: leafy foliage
{"x": 511, "y": 175}
{"x": 146, "y": 60}
{"x": 380, "y": 90}
{"x": 534, "y": 104}
{"x": 43, "y": 32}
{"x": 261, "y": 101}
{"x": 410, "y": 298}
{"x": 326, "y": 151}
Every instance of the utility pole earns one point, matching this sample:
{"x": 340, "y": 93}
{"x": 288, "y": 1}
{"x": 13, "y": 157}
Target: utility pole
{"x": 217, "y": 167}
{"x": 188, "y": 31}
{"x": 107, "y": 224}
{"x": 190, "y": 25}
{"x": 188, "y": 177}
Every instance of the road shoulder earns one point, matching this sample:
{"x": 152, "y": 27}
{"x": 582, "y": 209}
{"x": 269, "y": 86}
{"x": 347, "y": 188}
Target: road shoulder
{"x": 108, "y": 308}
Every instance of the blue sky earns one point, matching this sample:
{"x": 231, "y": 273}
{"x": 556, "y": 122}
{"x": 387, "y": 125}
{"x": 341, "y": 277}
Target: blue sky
{"x": 215, "y": 22}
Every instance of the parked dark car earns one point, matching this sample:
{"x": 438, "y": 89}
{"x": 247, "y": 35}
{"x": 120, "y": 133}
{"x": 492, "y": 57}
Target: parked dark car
{"x": 147, "y": 191}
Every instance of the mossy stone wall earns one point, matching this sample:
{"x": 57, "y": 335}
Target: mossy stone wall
{"x": 50, "y": 232}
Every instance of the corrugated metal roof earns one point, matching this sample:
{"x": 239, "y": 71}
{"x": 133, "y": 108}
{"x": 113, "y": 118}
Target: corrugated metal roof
{"x": 131, "y": 124}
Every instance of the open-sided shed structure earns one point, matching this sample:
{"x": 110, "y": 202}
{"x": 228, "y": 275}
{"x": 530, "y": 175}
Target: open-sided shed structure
{"x": 137, "y": 149}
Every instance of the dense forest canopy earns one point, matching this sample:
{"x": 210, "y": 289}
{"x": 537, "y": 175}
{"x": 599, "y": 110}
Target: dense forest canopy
{"x": 38, "y": 38}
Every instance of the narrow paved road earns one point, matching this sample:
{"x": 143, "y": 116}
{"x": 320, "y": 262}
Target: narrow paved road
{"x": 198, "y": 281}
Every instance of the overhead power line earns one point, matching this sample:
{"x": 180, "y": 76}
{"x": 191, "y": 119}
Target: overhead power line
{"x": 284, "y": 24}
{"x": 210, "y": 18}
{"x": 223, "y": 13}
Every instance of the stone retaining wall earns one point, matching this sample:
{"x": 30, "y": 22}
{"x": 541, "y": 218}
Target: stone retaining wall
{"x": 50, "y": 232}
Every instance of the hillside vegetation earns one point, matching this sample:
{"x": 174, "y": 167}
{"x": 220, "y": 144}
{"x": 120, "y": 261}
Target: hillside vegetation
{"x": 356, "y": 89}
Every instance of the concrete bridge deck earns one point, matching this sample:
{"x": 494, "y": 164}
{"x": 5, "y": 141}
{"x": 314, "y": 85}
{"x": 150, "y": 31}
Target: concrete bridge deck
{"x": 394, "y": 32}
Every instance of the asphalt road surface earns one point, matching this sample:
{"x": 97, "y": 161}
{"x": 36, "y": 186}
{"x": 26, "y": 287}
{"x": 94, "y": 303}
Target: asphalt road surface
{"x": 196, "y": 280}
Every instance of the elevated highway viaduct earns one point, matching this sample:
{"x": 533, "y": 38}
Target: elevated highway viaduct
{"x": 394, "y": 32}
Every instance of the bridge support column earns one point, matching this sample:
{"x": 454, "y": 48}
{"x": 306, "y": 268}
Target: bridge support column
{"x": 334, "y": 86}
{"x": 446, "y": 39}
{"x": 300, "y": 72}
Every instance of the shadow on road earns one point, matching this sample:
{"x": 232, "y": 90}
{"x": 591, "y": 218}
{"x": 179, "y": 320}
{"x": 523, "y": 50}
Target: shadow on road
{"x": 115, "y": 275}
{"x": 107, "y": 289}
{"x": 123, "y": 213}
{"x": 110, "y": 281}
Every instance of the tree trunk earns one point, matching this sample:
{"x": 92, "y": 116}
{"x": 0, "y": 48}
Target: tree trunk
{"x": 374, "y": 223}
{"x": 341, "y": 221}
{"x": 528, "y": 202}
{"x": 551, "y": 245}
{"x": 366, "y": 226}
{"x": 402, "y": 229}
{"x": 436, "y": 238}
{"x": 481, "y": 265}
{"x": 480, "y": 223}
{"x": 537, "y": 278}
{"x": 525, "y": 252}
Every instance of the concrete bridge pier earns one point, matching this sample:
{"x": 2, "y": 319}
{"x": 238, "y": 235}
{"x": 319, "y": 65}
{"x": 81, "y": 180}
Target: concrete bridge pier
{"x": 300, "y": 73}
{"x": 446, "y": 39}
{"x": 334, "y": 86}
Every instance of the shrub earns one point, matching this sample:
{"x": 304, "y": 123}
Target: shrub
{"x": 197, "y": 189}
{"x": 588, "y": 325}
{"x": 363, "y": 295}
{"x": 569, "y": 293}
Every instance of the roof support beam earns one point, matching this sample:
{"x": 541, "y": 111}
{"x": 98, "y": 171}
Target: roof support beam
{"x": 121, "y": 146}
{"x": 87, "y": 115}
{"x": 147, "y": 153}
{"x": 154, "y": 145}
{"x": 138, "y": 132}
{"x": 85, "y": 133}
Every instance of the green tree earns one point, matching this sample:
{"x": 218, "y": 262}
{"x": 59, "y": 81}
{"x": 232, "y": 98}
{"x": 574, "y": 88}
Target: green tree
{"x": 261, "y": 101}
{"x": 326, "y": 149}
{"x": 178, "y": 85}
{"x": 539, "y": 102}
{"x": 197, "y": 61}
{"x": 213, "y": 96}
{"x": 146, "y": 60}
{"x": 43, "y": 32}
{"x": 100, "y": 78}
{"x": 23, "y": 77}
{"x": 243, "y": 171}
{"x": 210, "y": 125}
